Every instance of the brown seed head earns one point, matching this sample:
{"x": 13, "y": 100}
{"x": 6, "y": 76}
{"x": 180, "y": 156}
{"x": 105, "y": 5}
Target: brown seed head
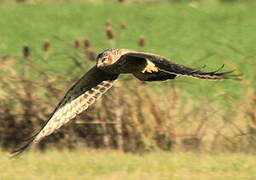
{"x": 25, "y": 51}
{"x": 142, "y": 41}
{"x": 110, "y": 33}
{"x": 123, "y": 26}
{"x": 109, "y": 24}
{"x": 87, "y": 43}
{"x": 46, "y": 46}
{"x": 90, "y": 54}
{"x": 77, "y": 43}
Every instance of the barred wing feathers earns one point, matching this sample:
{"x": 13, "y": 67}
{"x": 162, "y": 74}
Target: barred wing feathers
{"x": 78, "y": 98}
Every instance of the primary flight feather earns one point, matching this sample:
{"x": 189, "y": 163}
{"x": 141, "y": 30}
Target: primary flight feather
{"x": 100, "y": 78}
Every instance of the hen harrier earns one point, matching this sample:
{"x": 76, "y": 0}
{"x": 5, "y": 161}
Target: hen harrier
{"x": 100, "y": 78}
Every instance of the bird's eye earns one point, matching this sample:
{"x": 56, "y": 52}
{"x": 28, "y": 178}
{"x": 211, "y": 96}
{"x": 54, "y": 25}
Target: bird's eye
{"x": 104, "y": 60}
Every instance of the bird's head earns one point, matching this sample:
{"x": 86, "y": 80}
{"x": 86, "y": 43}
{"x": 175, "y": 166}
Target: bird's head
{"x": 108, "y": 57}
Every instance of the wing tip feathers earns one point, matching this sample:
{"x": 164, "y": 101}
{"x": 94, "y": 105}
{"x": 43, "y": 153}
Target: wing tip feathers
{"x": 20, "y": 150}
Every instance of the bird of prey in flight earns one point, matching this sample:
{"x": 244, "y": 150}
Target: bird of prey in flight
{"x": 100, "y": 78}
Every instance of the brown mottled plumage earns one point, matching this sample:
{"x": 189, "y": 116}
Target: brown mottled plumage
{"x": 100, "y": 78}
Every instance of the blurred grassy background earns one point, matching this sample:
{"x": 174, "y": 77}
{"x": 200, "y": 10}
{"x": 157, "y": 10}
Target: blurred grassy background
{"x": 192, "y": 34}
{"x": 190, "y": 112}
{"x": 117, "y": 165}
{"x": 46, "y": 45}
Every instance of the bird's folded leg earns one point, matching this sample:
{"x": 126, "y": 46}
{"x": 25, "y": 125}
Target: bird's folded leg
{"x": 150, "y": 67}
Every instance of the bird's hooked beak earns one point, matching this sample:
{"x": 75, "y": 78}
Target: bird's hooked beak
{"x": 99, "y": 63}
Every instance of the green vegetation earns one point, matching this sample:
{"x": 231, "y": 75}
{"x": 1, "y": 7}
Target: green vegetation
{"x": 116, "y": 165}
{"x": 193, "y": 34}
{"x": 183, "y": 32}
{"x": 186, "y": 115}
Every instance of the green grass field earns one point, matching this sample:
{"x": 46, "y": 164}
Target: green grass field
{"x": 117, "y": 165}
{"x": 205, "y": 33}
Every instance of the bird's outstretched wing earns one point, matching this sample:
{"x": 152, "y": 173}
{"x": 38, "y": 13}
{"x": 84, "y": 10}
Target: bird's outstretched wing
{"x": 167, "y": 66}
{"x": 77, "y": 99}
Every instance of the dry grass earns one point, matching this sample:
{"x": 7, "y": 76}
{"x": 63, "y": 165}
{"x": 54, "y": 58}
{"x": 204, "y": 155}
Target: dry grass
{"x": 129, "y": 117}
{"x": 152, "y": 116}
{"x": 112, "y": 165}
